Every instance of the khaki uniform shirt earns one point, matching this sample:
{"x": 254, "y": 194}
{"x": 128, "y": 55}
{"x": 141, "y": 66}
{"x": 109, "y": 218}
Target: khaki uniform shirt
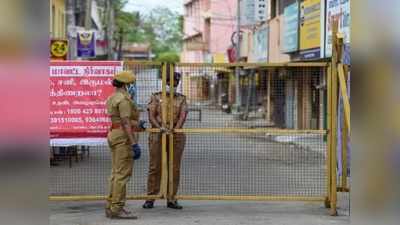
{"x": 120, "y": 105}
{"x": 179, "y": 104}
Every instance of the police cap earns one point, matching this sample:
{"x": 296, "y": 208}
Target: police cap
{"x": 125, "y": 77}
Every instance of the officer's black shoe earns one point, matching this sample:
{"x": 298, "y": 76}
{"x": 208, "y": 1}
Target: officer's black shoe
{"x": 174, "y": 205}
{"x": 53, "y": 163}
{"x": 148, "y": 205}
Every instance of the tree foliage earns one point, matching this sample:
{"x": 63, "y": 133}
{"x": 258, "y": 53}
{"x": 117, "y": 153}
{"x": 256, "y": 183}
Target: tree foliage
{"x": 162, "y": 28}
{"x": 169, "y": 57}
{"x": 126, "y": 22}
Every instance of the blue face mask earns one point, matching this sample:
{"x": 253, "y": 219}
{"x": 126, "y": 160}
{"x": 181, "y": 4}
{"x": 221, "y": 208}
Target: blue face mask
{"x": 132, "y": 91}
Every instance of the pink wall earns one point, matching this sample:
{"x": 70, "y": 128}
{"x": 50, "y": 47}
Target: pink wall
{"x": 222, "y": 24}
{"x": 193, "y": 21}
{"x": 192, "y": 56}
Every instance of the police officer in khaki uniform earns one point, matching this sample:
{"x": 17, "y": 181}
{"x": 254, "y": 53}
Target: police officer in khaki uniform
{"x": 123, "y": 144}
{"x": 155, "y": 147}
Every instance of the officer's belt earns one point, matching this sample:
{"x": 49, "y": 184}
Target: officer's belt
{"x": 118, "y": 126}
{"x": 115, "y": 126}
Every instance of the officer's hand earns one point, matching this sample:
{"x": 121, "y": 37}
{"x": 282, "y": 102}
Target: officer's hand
{"x": 136, "y": 151}
{"x": 142, "y": 125}
{"x": 164, "y": 130}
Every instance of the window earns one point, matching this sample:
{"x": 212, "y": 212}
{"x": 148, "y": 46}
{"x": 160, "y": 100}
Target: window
{"x": 283, "y": 4}
{"x": 278, "y": 6}
{"x": 186, "y": 11}
{"x": 190, "y": 8}
{"x": 207, "y": 30}
{"x": 273, "y": 4}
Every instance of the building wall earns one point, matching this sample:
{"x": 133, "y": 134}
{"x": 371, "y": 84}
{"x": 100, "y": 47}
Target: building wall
{"x": 214, "y": 21}
{"x": 57, "y": 19}
{"x": 193, "y": 22}
{"x": 223, "y": 24}
{"x": 275, "y": 40}
{"x": 192, "y": 56}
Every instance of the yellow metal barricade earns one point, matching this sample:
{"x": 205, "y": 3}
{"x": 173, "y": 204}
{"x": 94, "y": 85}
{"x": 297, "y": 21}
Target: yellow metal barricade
{"x": 277, "y": 144}
{"x": 305, "y": 180}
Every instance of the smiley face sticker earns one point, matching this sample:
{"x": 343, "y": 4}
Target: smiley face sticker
{"x": 59, "y": 49}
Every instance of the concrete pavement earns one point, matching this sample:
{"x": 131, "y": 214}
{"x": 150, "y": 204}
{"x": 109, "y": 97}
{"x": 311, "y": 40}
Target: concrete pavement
{"x": 202, "y": 213}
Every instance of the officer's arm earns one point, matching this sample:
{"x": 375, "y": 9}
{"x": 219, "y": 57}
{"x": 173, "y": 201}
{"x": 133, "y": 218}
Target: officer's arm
{"x": 181, "y": 120}
{"x": 127, "y": 127}
{"x": 182, "y": 115}
{"x": 152, "y": 112}
{"x": 153, "y": 118}
{"x": 137, "y": 124}
{"x": 125, "y": 111}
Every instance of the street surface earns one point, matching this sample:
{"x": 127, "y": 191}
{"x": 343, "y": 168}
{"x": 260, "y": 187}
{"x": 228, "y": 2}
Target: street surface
{"x": 204, "y": 213}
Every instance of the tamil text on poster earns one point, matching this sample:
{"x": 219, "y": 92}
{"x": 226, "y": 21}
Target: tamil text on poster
{"x": 78, "y": 93}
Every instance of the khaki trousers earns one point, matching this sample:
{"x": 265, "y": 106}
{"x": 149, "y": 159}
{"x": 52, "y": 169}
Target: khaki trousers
{"x": 122, "y": 166}
{"x": 154, "y": 177}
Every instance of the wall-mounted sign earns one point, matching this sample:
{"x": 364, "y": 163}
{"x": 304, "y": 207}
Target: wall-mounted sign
{"x": 262, "y": 9}
{"x": 247, "y": 9}
{"x": 260, "y": 45}
{"x": 291, "y": 28}
{"x": 58, "y": 49}
{"x": 253, "y": 12}
{"x": 311, "y": 39}
{"x": 219, "y": 58}
{"x": 86, "y": 44}
{"x": 340, "y": 10}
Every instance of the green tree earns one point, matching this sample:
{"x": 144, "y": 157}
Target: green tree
{"x": 162, "y": 28}
{"x": 126, "y": 23}
{"x": 169, "y": 57}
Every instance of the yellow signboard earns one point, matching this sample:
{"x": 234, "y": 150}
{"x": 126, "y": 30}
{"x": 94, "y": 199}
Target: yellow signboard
{"x": 310, "y": 24}
{"x": 219, "y": 58}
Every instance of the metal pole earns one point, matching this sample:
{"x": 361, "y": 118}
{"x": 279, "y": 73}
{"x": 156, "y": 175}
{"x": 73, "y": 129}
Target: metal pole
{"x": 164, "y": 164}
{"x": 70, "y": 27}
{"x": 121, "y": 39}
{"x": 108, "y": 29}
{"x": 237, "y": 71}
{"x": 88, "y": 15}
{"x": 333, "y": 131}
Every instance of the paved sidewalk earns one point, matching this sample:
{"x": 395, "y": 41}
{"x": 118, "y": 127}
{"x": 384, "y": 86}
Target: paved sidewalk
{"x": 202, "y": 213}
